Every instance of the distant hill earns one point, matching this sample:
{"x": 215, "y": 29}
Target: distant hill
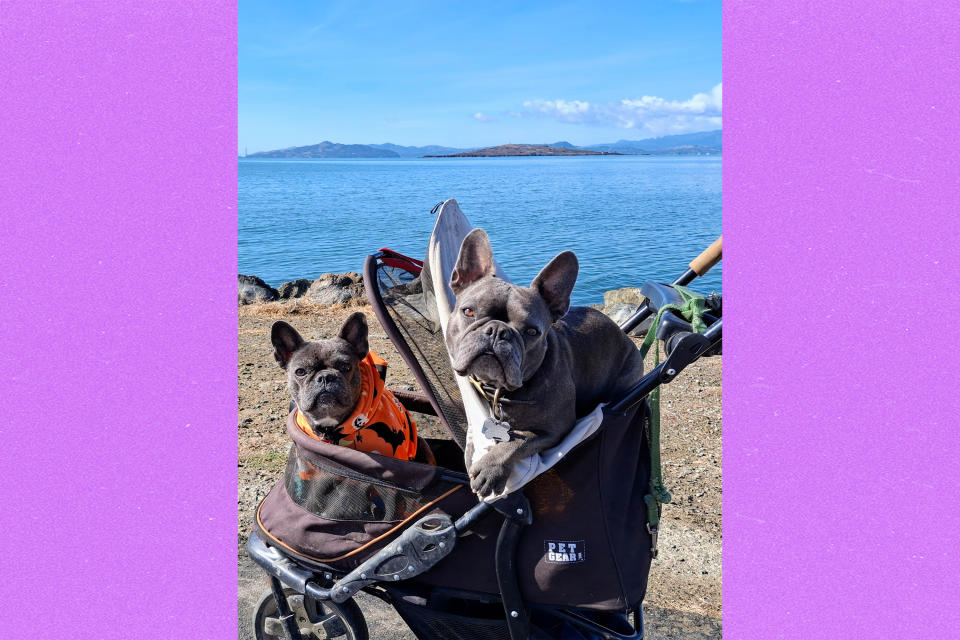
{"x": 667, "y": 145}
{"x": 688, "y": 150}
{"x": 328, "y": 150}
{"x": 524, "y": 150}
{"x": 417, "y": 152}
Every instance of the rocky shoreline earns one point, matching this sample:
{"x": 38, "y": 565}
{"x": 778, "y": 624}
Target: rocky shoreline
{"x": 342, "y": 288}
{"x": 328, "y": 289}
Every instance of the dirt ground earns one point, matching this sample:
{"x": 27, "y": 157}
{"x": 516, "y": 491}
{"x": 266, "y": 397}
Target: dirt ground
{"x": 684, "y": 596}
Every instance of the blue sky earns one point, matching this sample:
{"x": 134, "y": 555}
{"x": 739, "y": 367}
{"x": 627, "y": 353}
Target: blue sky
{"x": 470, "y": 74}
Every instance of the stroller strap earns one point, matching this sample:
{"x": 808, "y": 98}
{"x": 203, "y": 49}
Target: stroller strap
{"x": 692, "y": 309}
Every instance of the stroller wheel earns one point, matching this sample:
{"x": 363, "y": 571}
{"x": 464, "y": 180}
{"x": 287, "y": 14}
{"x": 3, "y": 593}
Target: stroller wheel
{"x": 316, "y": 620}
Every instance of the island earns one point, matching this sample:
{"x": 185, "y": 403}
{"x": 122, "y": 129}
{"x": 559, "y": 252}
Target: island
{"x": 524, "y": 150}
{"x": 327, "y": 149}
{"x": 703, "y": 143}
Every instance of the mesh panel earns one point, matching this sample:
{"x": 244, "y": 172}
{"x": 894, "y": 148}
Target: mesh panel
{"x": 416, "y": 319}
{"x": 341, "y": 496}
{"x": 430, "y": 624}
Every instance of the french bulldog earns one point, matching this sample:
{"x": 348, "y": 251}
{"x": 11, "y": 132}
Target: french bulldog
{"x": 338, "y": 392}
{"x": 547, "y": 363}
{"x": 323, "y": 377}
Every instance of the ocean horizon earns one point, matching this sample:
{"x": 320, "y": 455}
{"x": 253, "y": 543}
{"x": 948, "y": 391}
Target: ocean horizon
{"x": 628, "y": 218}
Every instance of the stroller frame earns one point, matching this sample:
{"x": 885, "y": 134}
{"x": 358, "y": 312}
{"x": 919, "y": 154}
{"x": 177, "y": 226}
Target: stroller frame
{"x": 327, "y": 593}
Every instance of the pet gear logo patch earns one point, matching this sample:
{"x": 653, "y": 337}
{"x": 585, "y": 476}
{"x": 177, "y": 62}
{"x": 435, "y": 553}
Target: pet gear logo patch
{"x": 564, "y": 551}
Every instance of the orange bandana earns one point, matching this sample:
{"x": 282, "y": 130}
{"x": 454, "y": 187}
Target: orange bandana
{"x": 379, "y": 423}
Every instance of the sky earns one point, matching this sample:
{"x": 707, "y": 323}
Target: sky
{"x": 475, "y": 74}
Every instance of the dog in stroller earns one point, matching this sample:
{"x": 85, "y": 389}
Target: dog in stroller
{"x": 565, "y": 556}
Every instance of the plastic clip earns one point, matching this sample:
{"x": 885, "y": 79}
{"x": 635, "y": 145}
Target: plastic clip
{"x": 653, "y": 540}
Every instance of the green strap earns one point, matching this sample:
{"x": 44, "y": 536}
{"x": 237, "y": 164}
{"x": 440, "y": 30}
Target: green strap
{"x": 693, "y": 307}
{"x": 692, "y": 310}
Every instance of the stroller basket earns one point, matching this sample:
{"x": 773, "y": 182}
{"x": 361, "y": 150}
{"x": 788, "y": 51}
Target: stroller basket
{"x": 335, "y": 507}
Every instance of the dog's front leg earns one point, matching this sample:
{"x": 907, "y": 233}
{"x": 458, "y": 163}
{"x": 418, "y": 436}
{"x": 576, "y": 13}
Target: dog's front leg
{"x": 488, "y": 476}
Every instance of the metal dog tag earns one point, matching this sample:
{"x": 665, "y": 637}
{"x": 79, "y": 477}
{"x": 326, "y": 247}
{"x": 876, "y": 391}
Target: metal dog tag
{"x": 496, "y": 430}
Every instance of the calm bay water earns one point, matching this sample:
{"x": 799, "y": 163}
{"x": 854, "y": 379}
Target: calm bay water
{"x": 628, "y": 219}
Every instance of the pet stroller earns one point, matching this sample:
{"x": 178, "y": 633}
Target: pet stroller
{"x": 565, "y": 556}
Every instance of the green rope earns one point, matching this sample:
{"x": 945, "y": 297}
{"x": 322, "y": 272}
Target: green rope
{"x": 692, "y": 309}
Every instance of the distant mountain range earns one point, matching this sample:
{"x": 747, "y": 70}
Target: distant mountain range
{"x": 526, "y": 150}
{"x": 668, "y": 145}
{"x": 328, "y": 150}
{"x": 416, "y": 152}
{"x": 705, "y": 143}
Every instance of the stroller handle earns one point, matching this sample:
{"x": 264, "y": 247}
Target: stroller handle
{"x": 687, "y": 347}
{"x": 710, "y": 256}
{"x": 699, "y": 266}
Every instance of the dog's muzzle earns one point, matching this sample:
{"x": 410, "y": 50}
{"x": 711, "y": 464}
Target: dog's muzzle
{"x": 492, "y": 353}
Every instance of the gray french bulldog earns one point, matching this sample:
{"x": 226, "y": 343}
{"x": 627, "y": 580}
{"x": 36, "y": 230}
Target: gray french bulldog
{"x": 552, "y": 363}
{"x": 324, "y": 376}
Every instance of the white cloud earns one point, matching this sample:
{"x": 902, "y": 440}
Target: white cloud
{"x": 649, "y": 113}
{"x": 479, "y": 117}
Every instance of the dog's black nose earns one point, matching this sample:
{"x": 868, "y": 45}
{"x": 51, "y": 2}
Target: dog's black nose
{"x": 327, "y": 378}
{"x": 497, "y": 330}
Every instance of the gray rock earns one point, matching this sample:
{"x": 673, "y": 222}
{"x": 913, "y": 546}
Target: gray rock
{"x": 626, "y": 295}
{"x": 336, "y": 288}
{"x": 252, "y": 289}
{"x": 620, "y": 312}
{"x": 294, "y": 288}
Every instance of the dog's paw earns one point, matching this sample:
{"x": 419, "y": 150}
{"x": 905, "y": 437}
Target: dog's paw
{"x": 488, "y": 480}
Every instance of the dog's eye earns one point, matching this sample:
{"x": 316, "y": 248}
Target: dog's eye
{"x": 531, "y": 331}
{"x": 467, "y": 311}
{"x": 344, "y": 367}
{"x": 300, "y": 372}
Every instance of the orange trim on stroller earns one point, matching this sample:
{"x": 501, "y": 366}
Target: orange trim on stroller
{"x": 362, "y": 547}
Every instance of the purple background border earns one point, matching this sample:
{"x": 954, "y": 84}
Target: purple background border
{"x": 119, "y": 188}
{"x": 841, "y": 191}
{"x": 118, "y": 196}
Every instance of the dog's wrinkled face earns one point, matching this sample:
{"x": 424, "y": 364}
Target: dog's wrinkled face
{"x": 498, "y": 331}
{"x": 324, "y": 376}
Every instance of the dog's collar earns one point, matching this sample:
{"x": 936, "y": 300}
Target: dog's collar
{"x": 490, "y": 394}
{"x": 496, "y": 427}
{"x": 494, "y": 397}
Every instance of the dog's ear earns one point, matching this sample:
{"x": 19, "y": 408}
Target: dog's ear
{"x": 354, "y": 331}
{"x": 285, "y": 341}
{"x": 555, "y": 283}
{"x": 474, "y": 261}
